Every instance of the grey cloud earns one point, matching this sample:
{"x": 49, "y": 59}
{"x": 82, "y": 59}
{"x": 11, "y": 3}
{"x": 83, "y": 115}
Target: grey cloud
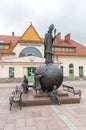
{"x": 67, "y": 16}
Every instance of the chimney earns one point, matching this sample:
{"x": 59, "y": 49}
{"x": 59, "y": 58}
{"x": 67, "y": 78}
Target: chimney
{"x": 68, "y": 37}
{"x": 12, "y": 33}
{"x": 58, "y": 38}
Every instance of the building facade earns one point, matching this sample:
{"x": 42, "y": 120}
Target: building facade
{"x": 21, "y": 56}
{"x": 73, "y": 57}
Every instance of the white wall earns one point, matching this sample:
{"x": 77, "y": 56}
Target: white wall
{"x": 19, "y": 70}
{"x": 76, "y": 61}
{"x": 7, "y": 56}
{"x": 4, "y": 71}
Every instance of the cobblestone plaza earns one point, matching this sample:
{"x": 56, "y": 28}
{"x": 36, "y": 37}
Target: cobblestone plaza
{"x": 48, "y": 117}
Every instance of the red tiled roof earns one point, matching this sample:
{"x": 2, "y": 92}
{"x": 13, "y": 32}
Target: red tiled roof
{"x": 64, "y": 44}
{"x": 11, "y": 40}
{"x": 80, "y": 50}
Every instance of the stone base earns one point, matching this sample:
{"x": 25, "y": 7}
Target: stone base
{"x": 33, "y": 99}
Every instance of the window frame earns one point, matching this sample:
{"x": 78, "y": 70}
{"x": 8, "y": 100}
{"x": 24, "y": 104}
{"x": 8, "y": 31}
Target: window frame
{"x": 81, "y": 71}
{"x": 11, "y": 72}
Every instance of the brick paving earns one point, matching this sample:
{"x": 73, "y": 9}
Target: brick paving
{"x": 49, "y": 117}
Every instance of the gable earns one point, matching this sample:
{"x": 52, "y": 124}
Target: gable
{"x": 7, "y": 43}
{"x": 30, "y": 35}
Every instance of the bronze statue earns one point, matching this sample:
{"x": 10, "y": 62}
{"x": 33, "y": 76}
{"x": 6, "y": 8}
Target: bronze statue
{"x": 48, "y": 41}
{"x": 50, "y": 74}
{"x": 25, "y": 84}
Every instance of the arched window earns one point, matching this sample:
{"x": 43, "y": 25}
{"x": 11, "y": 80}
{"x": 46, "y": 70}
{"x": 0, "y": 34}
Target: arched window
{"x": 30, "y": 51}
{"x": 71, "y": 72}
{"x": 71, "y": 65}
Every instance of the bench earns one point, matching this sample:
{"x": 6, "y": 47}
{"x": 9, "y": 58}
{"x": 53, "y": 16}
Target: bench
{"x": 72, "y": 90}
{"x": 16, "y": 98}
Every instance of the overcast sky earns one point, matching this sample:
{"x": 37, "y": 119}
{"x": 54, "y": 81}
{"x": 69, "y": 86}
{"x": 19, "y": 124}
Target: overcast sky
{"x": 68, "y": 16}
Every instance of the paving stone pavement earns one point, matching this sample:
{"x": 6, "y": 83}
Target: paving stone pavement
{"x": 50, "y": 117}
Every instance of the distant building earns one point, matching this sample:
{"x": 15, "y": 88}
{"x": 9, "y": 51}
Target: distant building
{"x": 20, "y": 56}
